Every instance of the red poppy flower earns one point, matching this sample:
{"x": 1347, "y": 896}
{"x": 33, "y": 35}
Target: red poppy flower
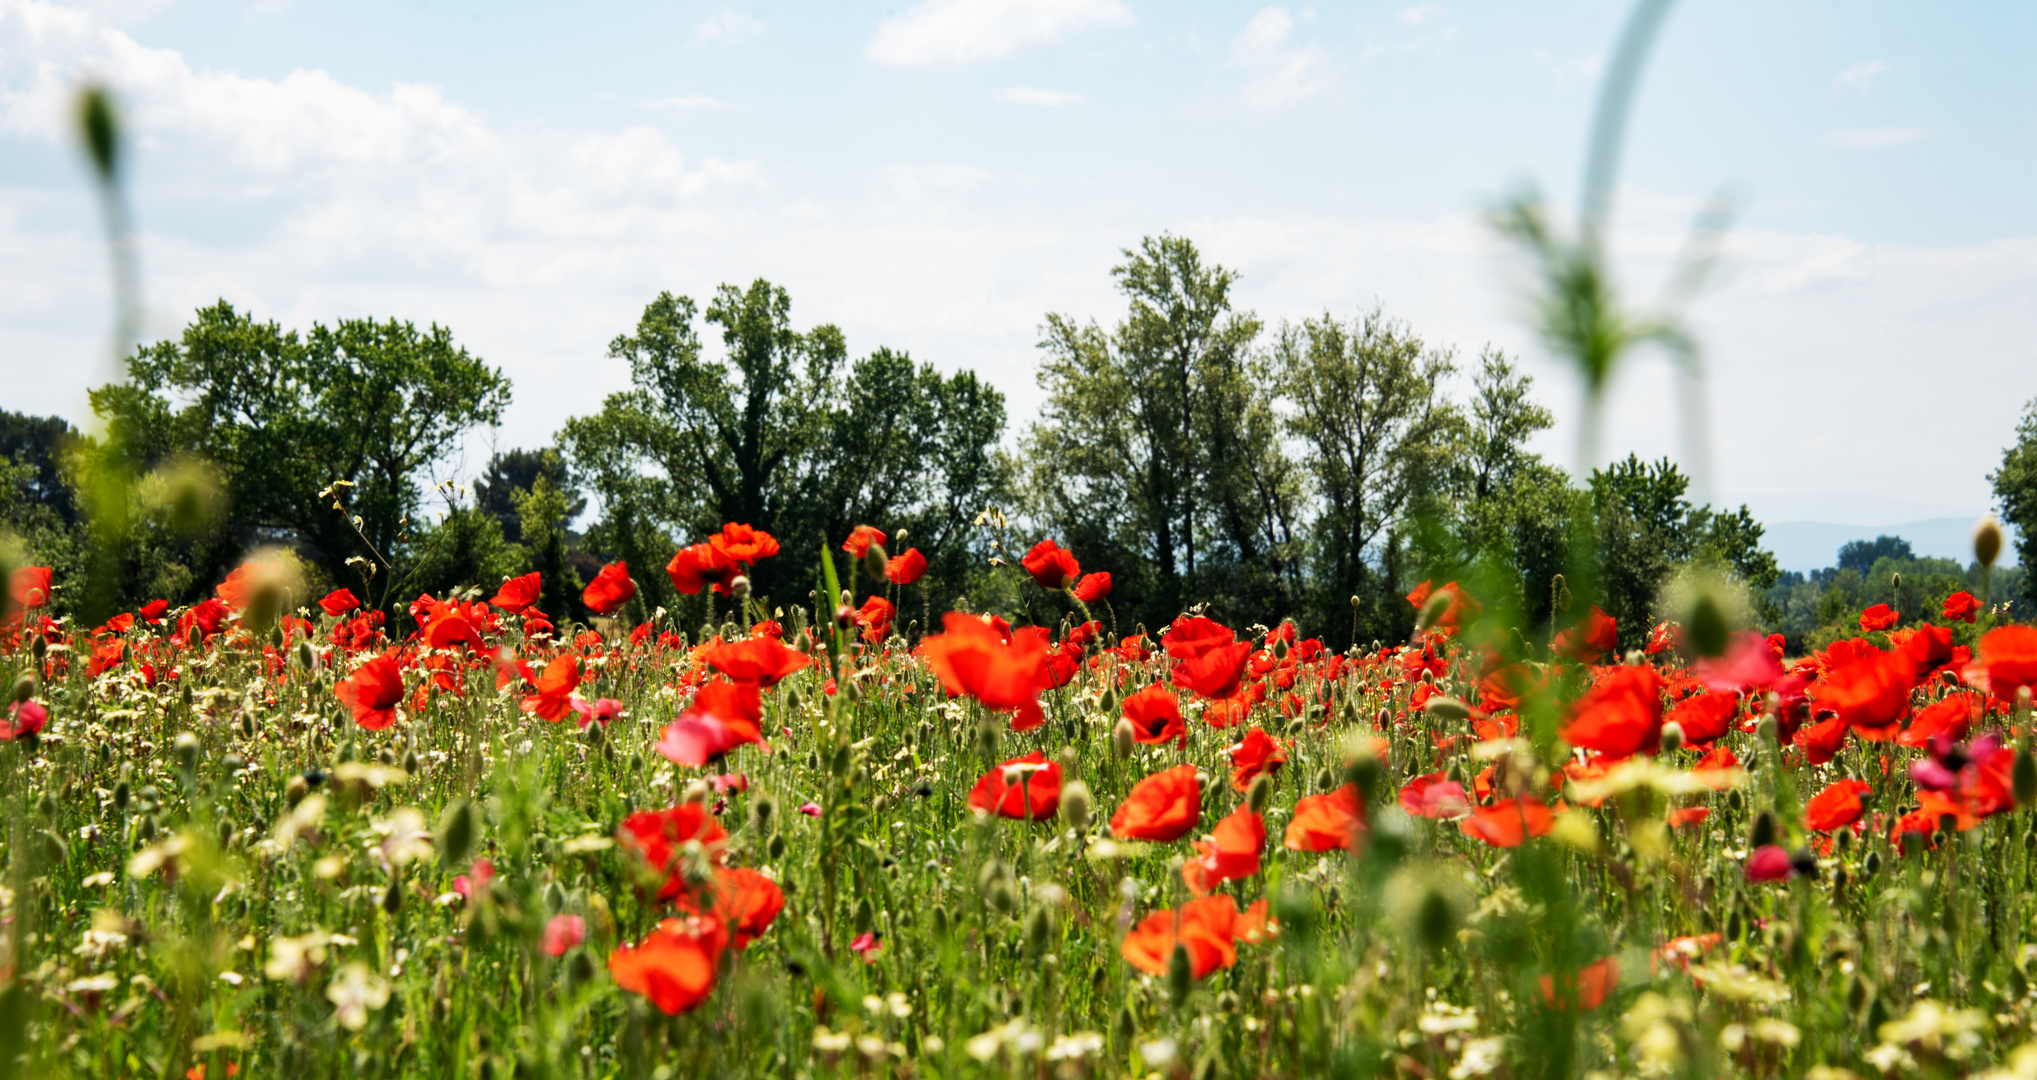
{"x": 1256, "y": 755}
{"x": 972, "y": 658}
{"x": 1216, "y": 672}
{"x": 875, "y": 618}
{"x": 518, "y": 593}
{"x": 660, "y": 838}
{"x": 372, "y": 692}
{"x": 449, "y": 626}
{"x": 1878, "y": 617}
{"x": 562, "y": 933}
{"x": 1509, "y": 822}
{"x": 1092, "y": 587}
{"x": 1770, "y": 863}
{"x": 721, "y": 717}
{"x": 1717, "y": 768}
{"x": 1751, "y": 662}
{"x": 1188, "y": 638}
{"x": 1823, "y": 740}
{"x": 1230, "y": 854}
{"x": 2008, "y": 656}
{"x": 1837, "y": 806}
{"x": 1052, "y": 566}
{"x": 106, "y": 657}
{"x": 338, "y": 602}
{"x": 1871, "y": 691}
{"x": 1952, "y": 715}
{"x": 1155, "y": 714}
{"x": 1589, "y": 988}
{"x": 1205, "y": 929}
{"x": 1706, "y": 717}
{"x": 154, "y": 610}
{"x": 907, "y": 568}
{"x": 1596, "y": 636}
{"x": 759, "y": 660}
{"x": 609, "y": 590}
{"x": 1621, "y": 715}
{"x": 701, "y": 566}
{"x": 1688, "y": 815}
{"x": 1432, "y": 796}
{"x": 741, "y": 544}
{"x": 1162, "y": 807}
{"x": 860, "y": 539}
{"x": 1026, "y": 788}
{"x": 554, "y": 697}
{"x": 1327, "y": 822}
{"x": 744, "y": 900}
{"x": 674, "y": 967}
{"x": 1960, "y": 606}
{"x": 23, "y": 718}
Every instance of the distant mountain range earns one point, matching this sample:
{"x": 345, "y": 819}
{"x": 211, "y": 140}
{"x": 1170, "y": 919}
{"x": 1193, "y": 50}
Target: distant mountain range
{"x": 1812, "y": 545}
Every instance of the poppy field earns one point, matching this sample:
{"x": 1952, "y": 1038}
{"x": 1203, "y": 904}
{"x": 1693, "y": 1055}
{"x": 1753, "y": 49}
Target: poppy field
{"x": 274, "y": 834}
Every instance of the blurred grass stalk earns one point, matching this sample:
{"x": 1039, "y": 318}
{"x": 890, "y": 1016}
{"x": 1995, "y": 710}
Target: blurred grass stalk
{"x": 107, "y": 473}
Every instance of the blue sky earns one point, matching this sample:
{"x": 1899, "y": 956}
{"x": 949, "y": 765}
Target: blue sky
{"x": 936, "y": 177}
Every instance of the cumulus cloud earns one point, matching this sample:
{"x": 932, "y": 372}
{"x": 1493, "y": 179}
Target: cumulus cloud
{"x": 1873, "y": 138}
{"x": 1860, "y": 77}
{"x": 683, "y": 104}
{"x": 1025, "y": 95}
{"x": 1282, "y": 71}
{"x": 959, "y": 31}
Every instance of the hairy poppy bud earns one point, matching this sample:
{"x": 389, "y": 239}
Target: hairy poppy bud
{"x": 1039, "y": 928}
{"x": 1439, "y": 602}
{"x": 764, "y": 815}
{"x": 1871, "y": 865}
{"x": 145, "y": 830}
{"x": 1256, "y": 796}
{"x": 392, "y": 897}
{"x": 1766, "y": 729}
{"x": 40, "y": 647}
{"x": 2024, "y": 778}
{"x": 1672, "y": 737}
{"x": 1180, "y": 975}
{"x": 1895, "y": 580}
{"x": 24, "y": 688}
{"x": 1446, "y": 708}
{"x": 939, "y": 920}
{"x": 1763, "y": 833}
{"x": 1843, "y": 839}
{"x": 247, "y": 724}
{"x": 1987, "y": 540}
{"x": 739, "y": 586}
{"x": 232, "y": 763}
{"x": 1280, "y": 649}
{"x": 1121, "y": 738}
{"x": 456, "y": 833}
{"x": 876, "y": 563}
{"x": 1705, "y": 626}
{"x": 293, "y": 792}
{"x": 1326, "y": 779}
{"x": 185, "y": 748}
{"x": 776, "y": 848}
{"x": 1435, "y": 919}
{"x": 1076, "y": 805}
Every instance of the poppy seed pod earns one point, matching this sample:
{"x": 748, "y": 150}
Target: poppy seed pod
{"x": 1039, "y": 929}
{"x": 1121, "y": 738}
{"x": 1077, "y": 804}
{"x": 1987, "y": 540}
{"x": 1180, "y": 975}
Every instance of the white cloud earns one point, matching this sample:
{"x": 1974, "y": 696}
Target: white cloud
{"x": 1025, "y": 95}
{"x": 682, "y": 104}
{"x": 1873, "y": 138}
{"x": 1860, "y": 77}
{"x": 919, "y": 181}
{"x": 726, "y": 27}
{"x": 959, "y": 31}
{"x": 1420, "y": 13}
{"x": 1282, "y": 72}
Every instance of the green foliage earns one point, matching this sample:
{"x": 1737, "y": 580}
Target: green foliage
{"x": 541, "y": 512}
{"x": 1646, "y": 528}
{"x": 463, "y": 549}
{"x": 1157, "y": 453}
{"x": 783, "y": 434}
{"x": 2015, "y": 486}
{"x": 513, "y": 472}
{"x": 372, "y": 404}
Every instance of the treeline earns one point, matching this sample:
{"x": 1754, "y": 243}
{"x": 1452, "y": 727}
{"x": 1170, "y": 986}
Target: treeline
{"x": 1315, "y": 470}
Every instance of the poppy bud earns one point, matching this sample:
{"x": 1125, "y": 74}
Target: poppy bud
{"x": 145, "y": 831}
{"x": 1435, "y": 919}
{"x": 1843, "y": 839}
{"x": 24, "y": 688}
{"x": 45, "y": 805}
{"x": 776, "y": 848}
{"x": 1121, "y": 738}
{"x": 1895, "y": 580}
{"x": 1439, "y": 602}
{"x": 1039, "y": 927}
{"x": 865, "y": 916}
{"x": 1326, "y": 779}
{"x": 456, "y": 833}
{"x": 845, "y": 616}
{"x": 940, "y": 920}
{"x": 1765, "y": 729}
{"x": 1446, "y": 708}
{"x": 185, "y": 748}
{"x": 1871, "y": 865}
{"x": 1076, "y": 805}
{"x": 1180, "y": 975}
{"x": 739, "y": 586}
{"x": 40, "y": 646}
{"x": 1280, "y": 649}
{"x": 1987, "y": 540}
{"x": 293, "y": 792}
{"x": 1000, "y": 897}
{"x": 2024, "y": 778}
{"x": 696, "y": 792}
{"x": 1672, "y": 737}
{"x": 580, "y": 969}
{"x": 876, "y": 562}
{"x": 1256, "y": 796}
{"x": 247, "y": 724}
{"x": 764, "y": 815}
{"x": 392, "y": 898}
{"x": 1763, "y": 833}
